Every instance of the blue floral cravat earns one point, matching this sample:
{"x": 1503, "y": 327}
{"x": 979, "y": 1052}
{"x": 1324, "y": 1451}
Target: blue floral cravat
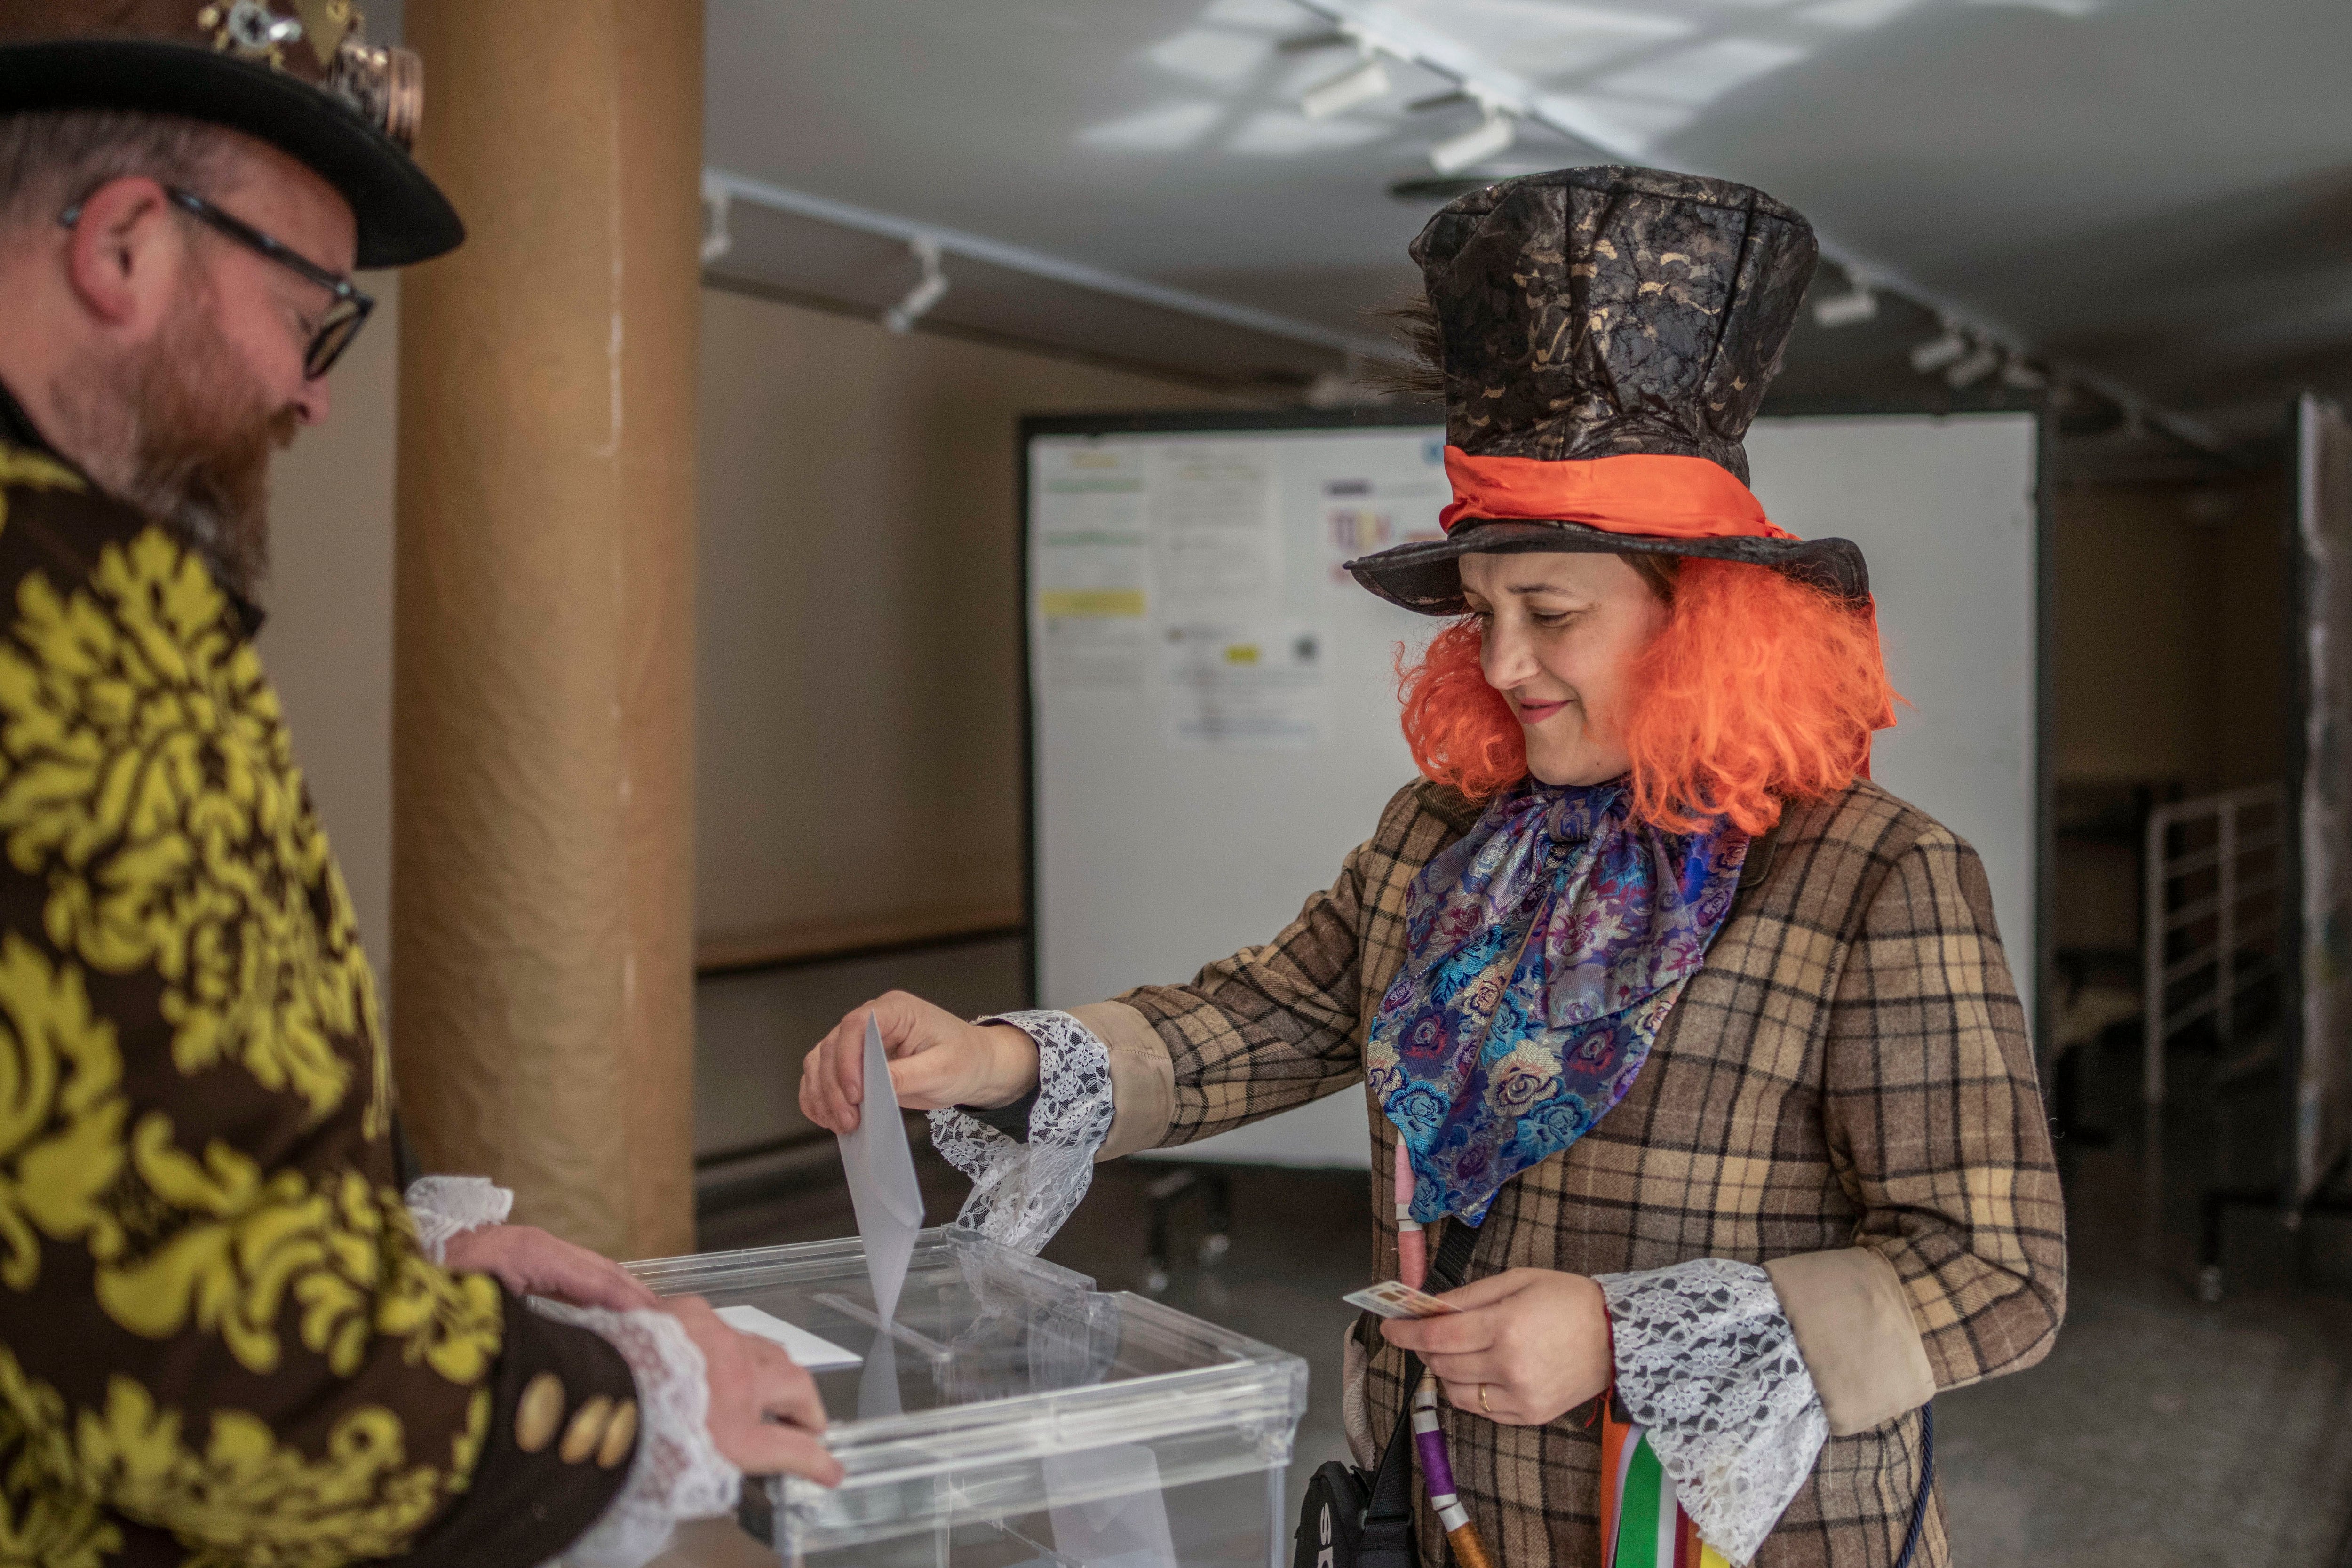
{"x": 1543, "y": 951}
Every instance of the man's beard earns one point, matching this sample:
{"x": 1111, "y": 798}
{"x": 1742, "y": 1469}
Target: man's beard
{"x": 182, "y": 433}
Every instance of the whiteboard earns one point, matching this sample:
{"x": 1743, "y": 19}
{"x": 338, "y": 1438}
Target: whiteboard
{"x": 1213, "y": 701}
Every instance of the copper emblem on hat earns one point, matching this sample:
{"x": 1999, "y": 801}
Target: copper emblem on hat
{"x": 383, "y": 83}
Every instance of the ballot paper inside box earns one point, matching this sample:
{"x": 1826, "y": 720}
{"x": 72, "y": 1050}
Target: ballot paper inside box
{"x": 1013, "y": 1416}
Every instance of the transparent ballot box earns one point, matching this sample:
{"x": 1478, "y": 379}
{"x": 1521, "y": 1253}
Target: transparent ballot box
{"x": 1013, "y": 1416}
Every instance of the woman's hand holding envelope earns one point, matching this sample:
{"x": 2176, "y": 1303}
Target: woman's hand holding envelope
{"x": 936, "y": 1059}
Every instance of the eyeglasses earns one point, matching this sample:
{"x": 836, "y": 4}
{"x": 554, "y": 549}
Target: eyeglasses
{"x": 347, "y": 311}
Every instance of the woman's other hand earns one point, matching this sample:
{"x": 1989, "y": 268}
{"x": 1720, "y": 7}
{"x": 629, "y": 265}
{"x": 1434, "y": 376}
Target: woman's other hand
{"x": 530, "y": 1262}
{"x": 1534, "y": 1341}
{"x": 936, "y": 1059}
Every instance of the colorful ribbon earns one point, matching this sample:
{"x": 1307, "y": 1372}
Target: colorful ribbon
{"x": 1642, "y": 1524}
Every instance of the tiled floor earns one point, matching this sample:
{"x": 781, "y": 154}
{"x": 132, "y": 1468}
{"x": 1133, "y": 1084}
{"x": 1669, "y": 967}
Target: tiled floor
{"x": 2160, "y": 1431}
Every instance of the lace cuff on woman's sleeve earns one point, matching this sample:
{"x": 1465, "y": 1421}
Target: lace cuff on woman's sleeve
{"x": 448, "y": 1206}
{"x": 1708, "y": 1366}
{"x": 1022, "y": 1193}
{"x": 678, "y": 1473}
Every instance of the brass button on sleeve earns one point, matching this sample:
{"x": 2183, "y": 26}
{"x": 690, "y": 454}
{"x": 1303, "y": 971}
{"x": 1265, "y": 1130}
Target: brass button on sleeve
{"x": 586, "y": 1431}
{"x": 538, "y": 1412}
{"x": 619, "y": 1437}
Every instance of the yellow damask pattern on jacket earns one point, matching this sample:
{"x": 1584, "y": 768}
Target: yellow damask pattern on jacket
{"x": 242, "y": 1243}
{"x": 144, "y": 770}
{"x": 32, "y": 470}
{"x": 242, "y": 1500}
{"x": 61, "y": 1113}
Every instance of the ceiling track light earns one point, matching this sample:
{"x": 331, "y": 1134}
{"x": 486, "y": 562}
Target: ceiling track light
{"x": 1347, "y": 90}
{"x": 1434, "y": 49}
{"x": 1493, "y": 134}
{"x": 1848, "y": 310}
{"x": 1936, "y": 354}
{"x": 901, "y": 317}
{"x": 2023, "y": 375}
{"x": 1974, "y": 367}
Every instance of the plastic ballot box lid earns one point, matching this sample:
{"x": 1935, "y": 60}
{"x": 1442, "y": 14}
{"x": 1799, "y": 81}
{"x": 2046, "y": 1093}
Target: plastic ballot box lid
{"x": 1007, "y": 1387}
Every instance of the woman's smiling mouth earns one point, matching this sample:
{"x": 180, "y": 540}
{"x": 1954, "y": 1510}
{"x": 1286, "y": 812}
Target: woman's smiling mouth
{"x": 1537, "y": 712}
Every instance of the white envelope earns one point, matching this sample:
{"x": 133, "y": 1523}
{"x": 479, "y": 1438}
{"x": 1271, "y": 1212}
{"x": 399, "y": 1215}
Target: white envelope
{"x": 882, "y": 1186}
{"x": 807, "y": 1350}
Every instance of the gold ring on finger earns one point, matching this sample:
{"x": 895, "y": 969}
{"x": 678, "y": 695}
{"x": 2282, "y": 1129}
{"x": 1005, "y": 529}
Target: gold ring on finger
{"x": 1482, "y": 1400}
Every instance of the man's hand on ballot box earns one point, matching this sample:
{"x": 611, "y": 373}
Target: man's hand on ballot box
{"x": 936, "y": 1059}
{"x": 766, "y": 1417}
{"x": 531, "y": 1262}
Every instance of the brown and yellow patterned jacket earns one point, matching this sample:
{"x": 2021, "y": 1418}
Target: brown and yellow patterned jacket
{"x": 219, "y": 1342}
{"x": 1844, "y": 1094}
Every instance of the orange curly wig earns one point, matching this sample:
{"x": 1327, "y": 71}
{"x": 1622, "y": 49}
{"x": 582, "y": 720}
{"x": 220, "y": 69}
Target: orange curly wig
{"x": 1759, "y": 689}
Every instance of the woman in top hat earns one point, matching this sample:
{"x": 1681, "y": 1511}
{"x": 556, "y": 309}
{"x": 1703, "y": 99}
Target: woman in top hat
{"x": 1700, "y": 1049}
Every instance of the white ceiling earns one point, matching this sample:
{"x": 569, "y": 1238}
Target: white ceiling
{"x": 2160, "y": 190}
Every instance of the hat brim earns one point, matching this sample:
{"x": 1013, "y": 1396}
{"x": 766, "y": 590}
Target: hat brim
{"x": 1426, "y": 576}
{"x": 401, "y": 213}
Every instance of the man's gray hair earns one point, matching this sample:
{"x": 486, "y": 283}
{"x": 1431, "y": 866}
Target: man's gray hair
{"x": 50, "y": 159}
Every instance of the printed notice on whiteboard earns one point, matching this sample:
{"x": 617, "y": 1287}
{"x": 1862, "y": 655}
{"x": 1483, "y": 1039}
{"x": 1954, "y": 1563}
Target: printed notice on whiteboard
{"x": 1244, "y": 687}
{"x": 1093, "y": 569}
{"x": 1214, "y": 525}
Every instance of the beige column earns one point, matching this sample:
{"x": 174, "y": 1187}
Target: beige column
{"x": 544, "y": 669}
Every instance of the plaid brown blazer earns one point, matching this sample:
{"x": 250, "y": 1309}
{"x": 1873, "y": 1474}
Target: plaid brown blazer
{"x": 1849, "y": 1070}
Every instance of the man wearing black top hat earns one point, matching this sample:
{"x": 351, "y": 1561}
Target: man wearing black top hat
{"x": 225, "y": 1336}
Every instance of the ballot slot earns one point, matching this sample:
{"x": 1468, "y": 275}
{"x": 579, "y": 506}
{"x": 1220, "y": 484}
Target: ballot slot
{"x": 1037, "y": 1420}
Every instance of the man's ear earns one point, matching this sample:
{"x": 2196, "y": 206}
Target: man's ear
{"x": 124, "y": 253}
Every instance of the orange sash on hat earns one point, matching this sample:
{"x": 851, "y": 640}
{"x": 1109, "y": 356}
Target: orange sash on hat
{"x": 1637, "y": 492}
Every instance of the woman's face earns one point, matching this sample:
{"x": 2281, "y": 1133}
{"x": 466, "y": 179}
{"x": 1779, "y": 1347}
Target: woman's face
{"x": 1562, "y": 633}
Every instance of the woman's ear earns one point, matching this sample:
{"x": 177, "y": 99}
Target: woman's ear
{"x": 123, "y": 255}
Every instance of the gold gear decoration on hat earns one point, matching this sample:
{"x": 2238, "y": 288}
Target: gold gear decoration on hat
{"x": 247, "y": 29}
{"x": 325, "y": 25}
{"x": 385, "y": 84}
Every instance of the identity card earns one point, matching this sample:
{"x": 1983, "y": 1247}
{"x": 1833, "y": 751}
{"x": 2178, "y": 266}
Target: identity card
{"x": 1392, "y": 1298}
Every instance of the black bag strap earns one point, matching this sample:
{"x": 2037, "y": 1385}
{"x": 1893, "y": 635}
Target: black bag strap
{"x": 1391, "y": 1496}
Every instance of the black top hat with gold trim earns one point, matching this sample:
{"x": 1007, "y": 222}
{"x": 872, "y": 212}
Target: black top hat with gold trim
{"x": 1604, "y": 336}
{"x": 296, "y": 74}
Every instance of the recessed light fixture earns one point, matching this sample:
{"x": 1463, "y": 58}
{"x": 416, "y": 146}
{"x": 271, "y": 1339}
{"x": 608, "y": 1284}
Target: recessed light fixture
{"x": 1491, "y": 135}
{"x": 901, "y": 317}
{"x": 1974, "y": 367}
{"x": 1347, "y": 90}
{"x": 1933, "y": 354}
{"x": 1847, "y": 310}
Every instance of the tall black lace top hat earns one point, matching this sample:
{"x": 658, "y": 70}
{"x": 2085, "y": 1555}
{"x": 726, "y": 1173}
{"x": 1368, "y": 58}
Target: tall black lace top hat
{"x": 1605, "y": 335}
{"x": 297, "y": 74}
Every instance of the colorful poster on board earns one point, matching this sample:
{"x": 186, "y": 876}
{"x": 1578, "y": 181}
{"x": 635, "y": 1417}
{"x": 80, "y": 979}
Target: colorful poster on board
{"x": 2324, "y": 1073}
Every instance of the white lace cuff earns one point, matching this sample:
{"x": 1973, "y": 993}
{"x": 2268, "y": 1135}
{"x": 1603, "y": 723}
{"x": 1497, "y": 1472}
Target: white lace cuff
{"x": 1022, "y": 1193}
{"x": 446, "y": 1208}
{"x": 678, "y": 1473}
{"x": 1708, "y": 1366}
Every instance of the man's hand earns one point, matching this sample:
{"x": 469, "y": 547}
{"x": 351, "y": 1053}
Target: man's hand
{"x": 936, "y": 1059}
{"x": 1533, "y": 1340}
{"x": 765, "y": 1415}
{"x": 530, "y": 1262}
